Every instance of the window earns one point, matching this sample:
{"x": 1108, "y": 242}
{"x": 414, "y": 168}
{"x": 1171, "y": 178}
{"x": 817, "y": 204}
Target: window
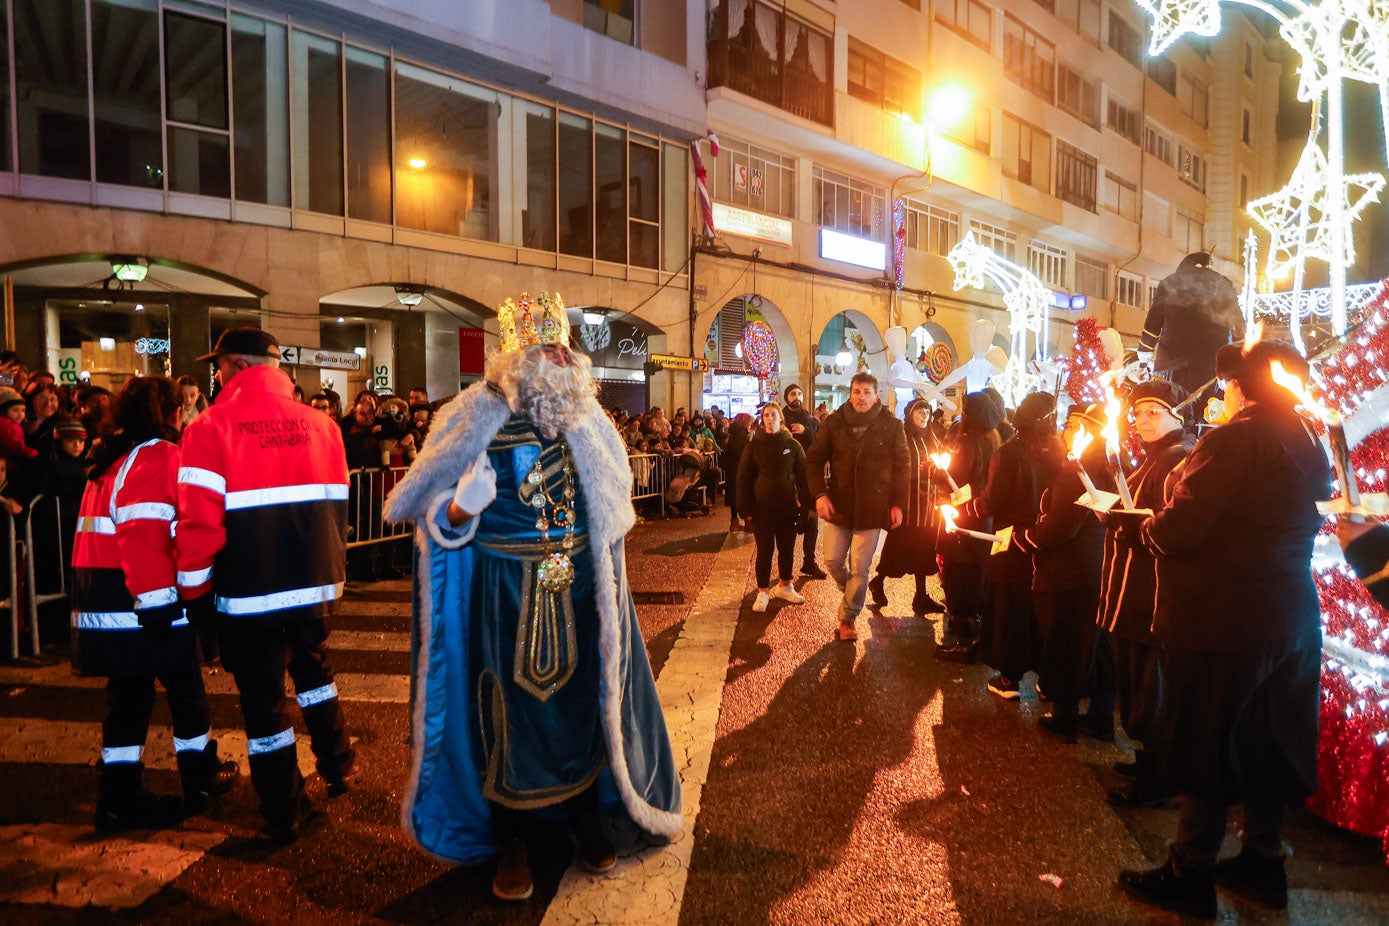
{"x": 914, "y": 4}
{"x": 675, "y": 236}
{"x": 199, "y": 145}
{"x": 1243, "y": 190}
{"x": 1081, "y": 15}
{"x": 1248, "y": 59}
{"x": 997, "y": 239}
{"x": 614, "y": 18}
{"x": 368, "y": 136}
{"x": 1156, "y": 143}
{"x": 644, "y": 202}
{"x": 882, "y": 81}
{"x": 848, "y": 204}
{"x": 1246, "y": 125}
{"x": 1092, "y": 277}
{"x": 1119, "y": 196}
{"x": 1029, "y": 59}
{"x": 1194, "y": 98}
{"x": 445, "y": 164}
{"x": 1127, "y": 122}
{"x": 1128, "y": 289}
{"x": 1048, "y": 263}
{"x": 1077, "y": 175}
{"x": 261, "y": 134}
{"x": 1189, "y": 232}
{"x": 970, "y": 18}
{"x": 1125, "y": 39}
{"x": 316, "y": 123}
{"x": 1191, "y": 168}
{"x": 1157, "y": 214}
{"x": 539, "y": 185}
{"x": 575, "y": 185}
{"x": 932, "y": 229}
{"x": 1164, "y": 74}
{"x": 125, "y": 93}
{"x": 761, "y": 180}
{"x": 977, "y": 132}
{"x": 1078, "y": 96}
{"x": 609, "y": 154}
{"x": 758, "y": 49}
{"x": 1026, "y": 153}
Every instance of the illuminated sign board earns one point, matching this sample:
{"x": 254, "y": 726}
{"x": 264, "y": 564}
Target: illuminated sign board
{"x": 748, "y": 224}
{"x": 849, "y": 249}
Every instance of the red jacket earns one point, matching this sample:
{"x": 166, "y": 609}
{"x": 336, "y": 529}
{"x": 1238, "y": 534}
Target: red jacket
{"x": 263, "y": 503}
{"x": 123, "y": 563}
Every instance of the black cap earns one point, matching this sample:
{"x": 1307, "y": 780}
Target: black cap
{"x": 1158, "y": 390}
{"x": 246, "y": 340}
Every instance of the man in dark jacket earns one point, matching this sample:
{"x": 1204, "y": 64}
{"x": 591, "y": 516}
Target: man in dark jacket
{"x": 803, "y": 426}
{"x": 857, "y": 471}
{"x": 1238, "y": 619}
{"x": 1195, "y": 310}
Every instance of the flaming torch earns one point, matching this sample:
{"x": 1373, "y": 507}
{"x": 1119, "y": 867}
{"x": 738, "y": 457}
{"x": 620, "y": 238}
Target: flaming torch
{"x": 1112, "y": 410}
{"x": 942, "y": 461}
{"x": 1335, "y": 431}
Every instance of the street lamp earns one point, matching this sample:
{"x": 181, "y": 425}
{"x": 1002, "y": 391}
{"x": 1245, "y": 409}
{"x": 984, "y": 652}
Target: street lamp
{"x": 843, "y": 358}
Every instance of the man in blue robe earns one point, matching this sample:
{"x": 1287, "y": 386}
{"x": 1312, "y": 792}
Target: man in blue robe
{"x": 531, "y": 685}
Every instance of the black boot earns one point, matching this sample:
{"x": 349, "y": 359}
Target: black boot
{"x": 1061, "y": 722}
{"x": 875, "y": 588}
{"x": 1190, "y": 893}
{"x": 123, "y": 803}
{"x": 204, "y": 776}
{"x": 1254, "y": 877}
{"x": 923, "y": 603}
{"x": 1149, "y": 791}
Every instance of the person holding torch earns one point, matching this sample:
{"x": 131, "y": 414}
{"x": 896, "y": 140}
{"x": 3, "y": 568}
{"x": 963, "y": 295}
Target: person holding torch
{"x": 1238, "y": 620}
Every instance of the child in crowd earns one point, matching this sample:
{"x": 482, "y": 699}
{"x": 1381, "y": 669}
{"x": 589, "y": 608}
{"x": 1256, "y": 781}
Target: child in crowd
{"x": 13, "y": 448}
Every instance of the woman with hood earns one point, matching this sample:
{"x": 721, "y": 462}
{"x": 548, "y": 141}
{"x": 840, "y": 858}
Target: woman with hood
{"x": 972, "y": 447}
{"x": 739, "y": 433}
{"x": 772, "y": 490}
{"x": 1023, "y": 467}
{"x": 911, "y": 548}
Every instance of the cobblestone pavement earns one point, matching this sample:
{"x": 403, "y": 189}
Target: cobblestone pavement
{"x": 824, "y": 782}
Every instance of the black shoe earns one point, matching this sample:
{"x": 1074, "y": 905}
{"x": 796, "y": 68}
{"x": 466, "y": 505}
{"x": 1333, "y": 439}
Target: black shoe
{"x": 338, "y": 785}
{"x": 813, "y": 571}
{"x": 1262, "y": 880}
{"x": 204, "y": 777}
{"x": 286, "y": 830}
{"x": 513, "y": 880}
{"x": 1063, "y": 727}
{"x": 962, "y": 653}
{"x": 1099, "y": 726}
{"x": 1143, "y": 792}
{"x": 1190, "y": 893}
{"x": 925, "y": 604}
{"x": 875, "y": 588}
{"x": 144, "y": 811}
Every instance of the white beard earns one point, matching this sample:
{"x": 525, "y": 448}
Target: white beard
{"x": 554, "y": 398}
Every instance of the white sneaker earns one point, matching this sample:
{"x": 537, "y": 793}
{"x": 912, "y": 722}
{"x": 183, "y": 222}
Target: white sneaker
{"x": 788, "y": 593}
{"x": 760, "y": 604}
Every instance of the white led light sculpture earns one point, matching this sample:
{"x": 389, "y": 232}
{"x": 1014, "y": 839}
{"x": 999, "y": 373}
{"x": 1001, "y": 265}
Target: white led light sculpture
{"x": 1028, "y": 301}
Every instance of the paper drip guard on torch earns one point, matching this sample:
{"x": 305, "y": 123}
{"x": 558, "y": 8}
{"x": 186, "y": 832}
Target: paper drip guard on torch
{"x": 1094, "y": 499}
{"x": 958, "y": 495}
{"x": 1336, "y": 436}
{"x": 1000, "y": 540}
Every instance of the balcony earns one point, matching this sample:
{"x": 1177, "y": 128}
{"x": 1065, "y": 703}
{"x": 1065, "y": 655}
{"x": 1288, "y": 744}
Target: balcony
{"x": 762, "y": 52}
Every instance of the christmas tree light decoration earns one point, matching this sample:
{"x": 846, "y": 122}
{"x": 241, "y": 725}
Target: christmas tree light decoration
{"x": 1088, "y": 360}
{"x": 1028, "y": 302}
{"x": 1336, "y": 41}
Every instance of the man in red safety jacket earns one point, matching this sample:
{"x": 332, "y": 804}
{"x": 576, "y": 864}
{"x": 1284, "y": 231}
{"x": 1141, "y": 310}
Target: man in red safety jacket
{"x": 262, "y": 534}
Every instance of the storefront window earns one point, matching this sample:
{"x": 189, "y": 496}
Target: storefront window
{"x": 538, "y": 215}
{"x": 107, "y": 344}
{"x": 575, "y": 185}
{"x": 316, "y": 124}
{"x": 446, "y": 154}
{"x": 262, "y": 112}
{"x": 368, "y": 137}
{"x": 195, "y": 56}
{"x": 4, "y": 91}
{"x": 644, "y": 230}
{"x": 125, "y": 84}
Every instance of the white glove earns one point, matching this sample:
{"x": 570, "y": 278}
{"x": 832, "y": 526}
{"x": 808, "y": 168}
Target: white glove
{"x": 478, "y": 487}
{"x": 1145, "y": 357}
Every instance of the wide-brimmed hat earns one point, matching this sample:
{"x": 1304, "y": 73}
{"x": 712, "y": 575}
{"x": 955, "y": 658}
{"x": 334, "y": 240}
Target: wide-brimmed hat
{"x": 245, "y": 340}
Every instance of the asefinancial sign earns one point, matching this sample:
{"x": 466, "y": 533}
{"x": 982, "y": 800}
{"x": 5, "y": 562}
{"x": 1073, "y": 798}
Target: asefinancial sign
{"x": 849, "y": 249}
{"x": 748, "y": 224}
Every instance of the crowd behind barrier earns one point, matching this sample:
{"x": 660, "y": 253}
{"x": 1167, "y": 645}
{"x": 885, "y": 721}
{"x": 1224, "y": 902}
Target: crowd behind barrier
{"x": 35, "y": 572}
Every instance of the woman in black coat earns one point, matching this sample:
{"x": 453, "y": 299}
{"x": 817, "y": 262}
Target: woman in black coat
{"x": 772, "y": 489}
{"x": 910, "y": 549}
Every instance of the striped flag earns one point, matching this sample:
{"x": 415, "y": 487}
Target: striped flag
{"x": 706, "y": 205}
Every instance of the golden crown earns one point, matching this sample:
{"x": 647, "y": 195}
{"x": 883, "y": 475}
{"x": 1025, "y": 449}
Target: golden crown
{"x": 519, "y": 328}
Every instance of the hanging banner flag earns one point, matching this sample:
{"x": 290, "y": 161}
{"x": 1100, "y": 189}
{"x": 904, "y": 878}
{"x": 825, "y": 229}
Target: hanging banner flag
{"x": 706, "y": 205}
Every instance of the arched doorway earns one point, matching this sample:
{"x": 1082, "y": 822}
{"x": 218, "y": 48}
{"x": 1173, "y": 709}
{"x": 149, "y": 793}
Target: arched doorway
{"x": 849, "y": 344}
{"x": 748, "y": 345}
{"x": 618, "y": 344}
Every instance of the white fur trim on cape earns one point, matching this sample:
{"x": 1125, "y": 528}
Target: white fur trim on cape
{"x": 440, "y": 530}
{"x": 465, "y": 428}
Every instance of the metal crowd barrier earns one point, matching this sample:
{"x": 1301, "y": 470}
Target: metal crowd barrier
{"x": 367, "y": 489}
{"x": 11, "y": 602}
{"x": 652, "y": 473}
{"x": 55, "y": 550}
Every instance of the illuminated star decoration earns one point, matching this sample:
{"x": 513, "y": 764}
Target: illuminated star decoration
{"x": 1297, "y": 217}
{"x": 1174, "y": 18}
{"x": 1029, "y": 310}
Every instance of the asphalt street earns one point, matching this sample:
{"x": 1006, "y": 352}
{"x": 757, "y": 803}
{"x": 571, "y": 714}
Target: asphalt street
{"x": 830, "y": 783}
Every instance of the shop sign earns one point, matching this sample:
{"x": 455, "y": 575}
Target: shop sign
{"x": 319, "y": 357}
{"x": 850, "y": 249}
{"x": 69, "y": 364}
{"x": 152, "y": 345}
{"x": 748, "y": 224}
{"x": 472, "y": 354}
{"x": 674, "y": 362}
